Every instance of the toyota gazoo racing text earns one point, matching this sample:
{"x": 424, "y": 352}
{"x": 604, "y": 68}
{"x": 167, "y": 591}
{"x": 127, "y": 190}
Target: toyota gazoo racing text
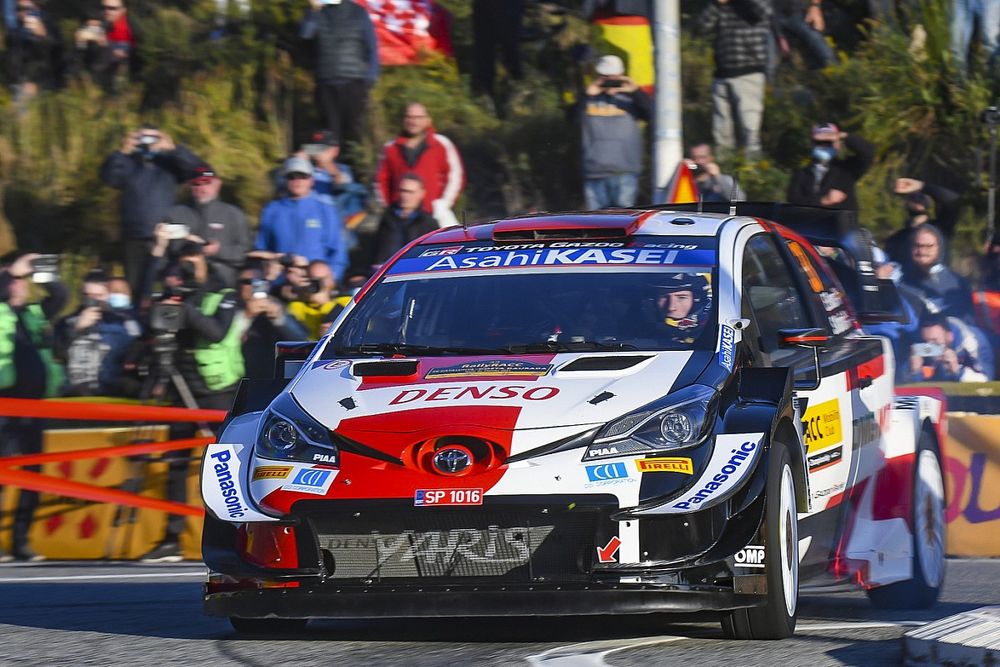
{"x": 586, "y": 413}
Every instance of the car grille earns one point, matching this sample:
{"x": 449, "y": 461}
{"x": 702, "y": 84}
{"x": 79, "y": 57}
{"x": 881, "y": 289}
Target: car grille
{"x": 447, "y": 544}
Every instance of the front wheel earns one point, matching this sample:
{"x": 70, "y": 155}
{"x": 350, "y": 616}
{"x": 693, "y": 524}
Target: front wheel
{"x": 776, "y": 619}
{"x": 927, "y": 513}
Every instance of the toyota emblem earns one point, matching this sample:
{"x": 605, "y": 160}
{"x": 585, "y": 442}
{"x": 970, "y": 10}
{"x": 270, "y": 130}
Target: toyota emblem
{"x": 452, "y": 460}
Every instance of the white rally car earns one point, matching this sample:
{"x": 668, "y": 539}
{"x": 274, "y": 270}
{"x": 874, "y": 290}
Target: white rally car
{"x": 586, "y": 413}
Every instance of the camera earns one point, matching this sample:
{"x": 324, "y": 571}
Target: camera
{"x": 260, "y": 289}
{"x": 45, "y": 269}
{"x": 927, "y": 350}
{"x": 146, "y": 142}
{"x": 89, "y": 302}
{"x": 177, "y": 231}
{"x": 312, "y": 150}
{"x": 610, "y": 83}
{"x": 166, "y": 317}
{"x": 990, "y": 115}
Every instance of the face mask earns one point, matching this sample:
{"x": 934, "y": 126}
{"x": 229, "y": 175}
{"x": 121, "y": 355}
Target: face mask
{"x": 118, "y": 300}
{"x": 824, "y": 154}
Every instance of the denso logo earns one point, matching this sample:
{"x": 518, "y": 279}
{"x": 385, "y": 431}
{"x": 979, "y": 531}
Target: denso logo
{"x": 492, "y": 392}
{"x": 230, "y": 494}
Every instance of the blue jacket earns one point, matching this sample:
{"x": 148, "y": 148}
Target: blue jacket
{"x": 307, "y": 227}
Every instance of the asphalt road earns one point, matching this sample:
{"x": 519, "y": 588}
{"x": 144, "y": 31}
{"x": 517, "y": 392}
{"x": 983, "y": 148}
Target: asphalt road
{"x": 128, "y": 614}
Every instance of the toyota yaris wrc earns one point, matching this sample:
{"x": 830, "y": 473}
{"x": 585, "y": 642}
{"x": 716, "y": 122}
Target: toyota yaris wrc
{"x": 587, "y": 413}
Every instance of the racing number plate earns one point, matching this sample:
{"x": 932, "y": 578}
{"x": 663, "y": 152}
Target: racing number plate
{"x": 425, "y": 497}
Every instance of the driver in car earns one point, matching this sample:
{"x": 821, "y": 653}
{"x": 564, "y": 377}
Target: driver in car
{"x": 683, "y": 301}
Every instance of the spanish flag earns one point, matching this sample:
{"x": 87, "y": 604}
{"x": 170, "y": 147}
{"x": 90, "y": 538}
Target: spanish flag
{"x": 682, "y": 189}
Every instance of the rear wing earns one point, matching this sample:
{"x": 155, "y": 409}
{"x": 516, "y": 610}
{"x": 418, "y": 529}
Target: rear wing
{"x": 876, "y": 300}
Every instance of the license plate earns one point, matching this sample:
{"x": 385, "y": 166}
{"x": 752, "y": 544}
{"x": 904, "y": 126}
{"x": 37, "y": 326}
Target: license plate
{"x": 425, "y": 497}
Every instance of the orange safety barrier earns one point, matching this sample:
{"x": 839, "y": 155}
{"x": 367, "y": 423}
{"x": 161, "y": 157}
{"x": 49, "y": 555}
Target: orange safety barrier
{"x": 73, "y": 410}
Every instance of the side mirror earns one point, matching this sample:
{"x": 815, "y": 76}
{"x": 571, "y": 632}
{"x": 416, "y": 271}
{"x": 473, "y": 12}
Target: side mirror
{"x": 289, "y": 356}
{"x": 811, "y": 338}
{"x": 814, "y": 338}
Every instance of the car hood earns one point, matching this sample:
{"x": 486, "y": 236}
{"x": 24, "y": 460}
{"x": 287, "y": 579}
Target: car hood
{"x": 507, "y": 393}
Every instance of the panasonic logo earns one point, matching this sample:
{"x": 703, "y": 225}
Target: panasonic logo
{"x": 739, "y": 456}
{"x": 224, "y": 477}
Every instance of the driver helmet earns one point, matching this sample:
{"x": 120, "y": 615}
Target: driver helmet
{"x": 701, "y": 299}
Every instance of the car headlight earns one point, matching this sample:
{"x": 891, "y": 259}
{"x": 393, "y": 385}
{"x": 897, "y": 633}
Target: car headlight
{"x": 286, "y": 431}
{"x": 681, "y": 419}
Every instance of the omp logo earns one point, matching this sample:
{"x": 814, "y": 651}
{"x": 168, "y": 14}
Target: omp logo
{"x": 271, "y": 472}
{"x": 602, "y": 473}
{"x": 224, "y": 477}
{"x": 750, "y": 556}
{"x": 727, "y": 347}
{"x": 821, "y": 425}
{"x": 731, "y": 468}
{"x": 665, "y": 464}
{"x": 311, "y": 477}
{"x": 492, "y": 392}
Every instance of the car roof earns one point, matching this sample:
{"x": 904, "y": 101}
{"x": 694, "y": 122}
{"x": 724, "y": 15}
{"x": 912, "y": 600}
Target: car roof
{"x": 607, "y": 224}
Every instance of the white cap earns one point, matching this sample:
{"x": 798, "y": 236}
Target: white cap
{"x": 609, "y": 66}
{"x": 297, "y": 165}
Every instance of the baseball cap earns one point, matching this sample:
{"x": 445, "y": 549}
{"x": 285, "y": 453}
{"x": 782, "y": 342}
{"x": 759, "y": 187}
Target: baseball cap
{"x": 324, "y": 137}
{"x": 202, "y": 174}
{"x": 297, "y": 165}
{"x": 824, "y": 128}
{"x": 609, "y": 66}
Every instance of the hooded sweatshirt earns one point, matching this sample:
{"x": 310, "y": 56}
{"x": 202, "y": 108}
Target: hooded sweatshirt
{"x": 943, "y": 290}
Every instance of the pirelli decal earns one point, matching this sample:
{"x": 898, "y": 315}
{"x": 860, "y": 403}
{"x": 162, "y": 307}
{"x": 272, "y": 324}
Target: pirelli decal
{"x": 665, "y": 464}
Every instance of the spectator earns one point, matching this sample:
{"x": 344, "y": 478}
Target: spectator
{"x": 433, "y": 157}
{"x": 147, "y": 169}
{"x": 108, "y": 45}
{"x": 803, "y": 24}
{"x": 950, "y": 351}
{"x": 495, "y": 23}
{"x": 27, "y": 370}
{"x": 263, "y": 322}
{"x": 120, "y": 296}
{"x": 830, "y": 180}
{"x": 612, "y": 147}
{"x": 943, "y": 290}
{"x": 208, "y": 357}
{"x": 713, "y": 185}
{"x": 403, "y": 221}
{"x": 965, "y": 15}
{"x": 223, "y": 227}
{"x": 346, "y": 64}
{"x": 741, "y": 31}
{"x": 302, "y": 224}
{"x": 93, "y": 341}
{"x": 34, "y": 51}
{"x": 917, "y": 197}
{"x": 333, "y": 181}
{"x": 315, "y": 300}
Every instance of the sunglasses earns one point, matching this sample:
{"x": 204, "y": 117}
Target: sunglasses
{"x": 298, "y": 177}
{"x": 24, "y": 8}
{"x": 111, "y": 8}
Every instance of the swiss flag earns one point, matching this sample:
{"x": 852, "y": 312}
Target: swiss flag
{"x": 405, "y": 28}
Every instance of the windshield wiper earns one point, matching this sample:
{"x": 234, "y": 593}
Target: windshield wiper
{"x": 410, "y": 349}
{"x": 567, "y": 346}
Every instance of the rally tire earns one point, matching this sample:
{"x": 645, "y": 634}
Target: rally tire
{"x": 928, "y": 534}
{"x": 268, "y": 627}
{"x": 776, "y": 619}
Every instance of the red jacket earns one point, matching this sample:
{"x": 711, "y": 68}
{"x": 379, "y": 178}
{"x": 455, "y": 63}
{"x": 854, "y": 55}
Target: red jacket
{"x": 439, "y": 165}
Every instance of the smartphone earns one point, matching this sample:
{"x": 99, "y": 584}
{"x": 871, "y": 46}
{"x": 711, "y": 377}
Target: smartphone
{"x": 260, "y": 289}
{"x": 45, "y": 269}
{"x": 177, "y": 230}
{"x": 927, "y": 350}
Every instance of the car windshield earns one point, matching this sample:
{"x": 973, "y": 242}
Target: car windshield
{"x": 517, "y": 312}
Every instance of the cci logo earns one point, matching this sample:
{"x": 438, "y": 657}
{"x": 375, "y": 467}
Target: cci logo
{"x": 607, "y": 471}
{"x": 312, "y": 478}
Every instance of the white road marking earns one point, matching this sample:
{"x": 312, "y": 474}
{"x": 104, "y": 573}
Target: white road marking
{"x": 592, "y": 654}
{"x": 91, "y": 577}
{"x": 860, "y": 625}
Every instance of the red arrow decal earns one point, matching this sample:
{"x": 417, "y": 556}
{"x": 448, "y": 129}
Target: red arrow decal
{"x": 606, "y": 554}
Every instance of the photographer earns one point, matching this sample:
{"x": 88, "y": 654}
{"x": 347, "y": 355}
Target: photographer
{"x": 315, "y": 301}
{"x": 839, "y": 160}
{"x": 147, "y": 169}
{"x": 950, "y": 351}
{"x": 27, "y": 370}
{"x": 611, "y": 137}
{"x": 263, "y": 322}
{"x": 197, "y": 338}
{"x": 93, "y": 341}
{"x": 713, "y": 185}
{"x": 34, "y": 51}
